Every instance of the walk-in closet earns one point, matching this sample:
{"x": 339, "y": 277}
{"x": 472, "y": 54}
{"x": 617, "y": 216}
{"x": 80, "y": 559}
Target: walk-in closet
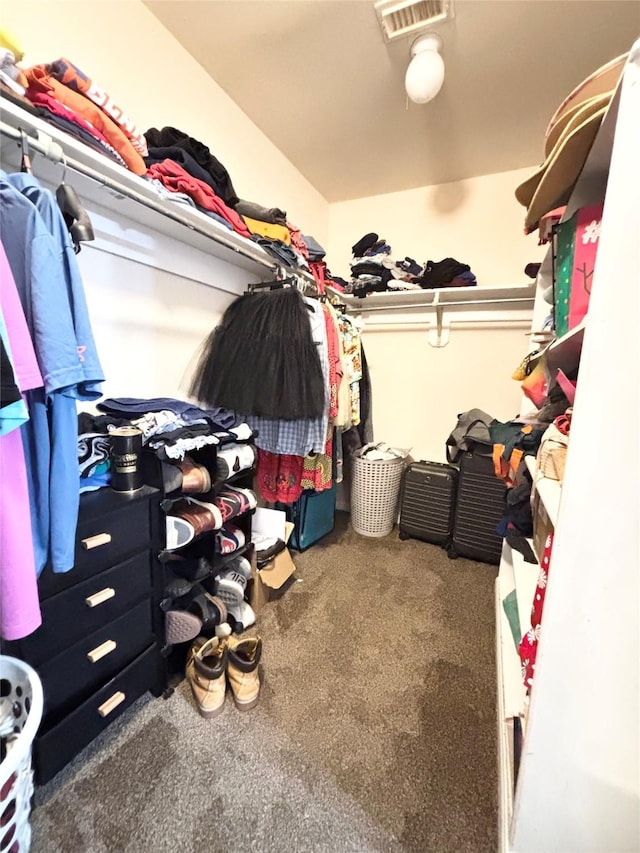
{"x": 319, "y": 488}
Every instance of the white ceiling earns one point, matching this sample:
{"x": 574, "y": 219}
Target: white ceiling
{"x": 318, "y": 79}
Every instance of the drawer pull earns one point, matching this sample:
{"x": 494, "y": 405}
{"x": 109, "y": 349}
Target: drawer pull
{"x": 111, "y": 704}
{"x": 96, "y": 541}
{"x": 100, "y": 597}
{"x": 101, "y": 651}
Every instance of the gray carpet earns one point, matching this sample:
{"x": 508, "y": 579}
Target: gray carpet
{"x": 376, "y": 730}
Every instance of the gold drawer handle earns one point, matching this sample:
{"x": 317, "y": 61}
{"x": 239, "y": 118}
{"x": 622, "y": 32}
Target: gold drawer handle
{"x": 101, "y": 651}
{"x": 111, "y": 704}
{"x": 100, "y": 597}
{"x": 96, "y": 541}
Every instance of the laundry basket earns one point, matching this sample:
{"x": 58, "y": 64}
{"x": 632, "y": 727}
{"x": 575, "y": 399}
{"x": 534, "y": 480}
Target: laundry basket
{"x": 20, "y": 715}
{"x": 375, "y": 486}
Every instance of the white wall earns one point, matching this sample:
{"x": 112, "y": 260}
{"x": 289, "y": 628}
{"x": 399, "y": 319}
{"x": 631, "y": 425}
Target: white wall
{"x": 477, "y": 221}
{"x": 419, "y": 390}
{"x": 149, "y": 323}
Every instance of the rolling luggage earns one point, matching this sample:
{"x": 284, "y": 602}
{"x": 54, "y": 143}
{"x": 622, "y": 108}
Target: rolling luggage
{"x": 479, "y": 509}
{"x": 313, "y": 516}
{"x": 427, "y": 502}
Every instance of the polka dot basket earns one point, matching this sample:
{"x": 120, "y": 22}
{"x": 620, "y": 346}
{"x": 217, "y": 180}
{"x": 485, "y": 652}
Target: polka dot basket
{"x": 20, "y": 715}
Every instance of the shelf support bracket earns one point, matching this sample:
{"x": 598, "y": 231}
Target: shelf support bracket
{"x": 438, "y": 334}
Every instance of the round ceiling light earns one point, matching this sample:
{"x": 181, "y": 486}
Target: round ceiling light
{"x": 425, "y": 74}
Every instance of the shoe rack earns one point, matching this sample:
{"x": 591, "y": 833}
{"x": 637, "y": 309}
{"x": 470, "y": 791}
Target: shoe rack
{"x": 181, "y": 579}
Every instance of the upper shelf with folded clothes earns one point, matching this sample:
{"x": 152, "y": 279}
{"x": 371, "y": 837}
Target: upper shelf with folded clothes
{"x": 102, "y": 182}
{"x": 519, "y": 296}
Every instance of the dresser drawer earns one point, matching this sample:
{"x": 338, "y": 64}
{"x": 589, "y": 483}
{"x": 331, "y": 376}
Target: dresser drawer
{"x": 56, "y": 747}
{"x": 85, "y": 608}
{"x": 111, "y": 527}
{"x": 77, "y": 672}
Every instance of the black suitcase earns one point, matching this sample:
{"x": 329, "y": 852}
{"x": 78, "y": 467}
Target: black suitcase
{"x": 479, "y": 509}
{"x": 427, "y": 502}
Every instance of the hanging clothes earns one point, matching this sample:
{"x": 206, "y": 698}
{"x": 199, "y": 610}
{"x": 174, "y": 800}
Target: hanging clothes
{"x": 19, "y": 604}
{"x": 48, "y": 283}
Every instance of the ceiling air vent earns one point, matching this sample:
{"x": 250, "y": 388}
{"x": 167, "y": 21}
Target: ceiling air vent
{"x": 400, "y": 18}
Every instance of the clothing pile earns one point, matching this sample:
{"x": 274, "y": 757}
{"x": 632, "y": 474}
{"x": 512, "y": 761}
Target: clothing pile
{"x": 188, "y": 173}
{"x": 67, "y": 98}
{"x": 180, "y": 168}
{"x": 295, "y": 370}
{"x": 374, "y": 270}
{"x": 49, "y": 362}
{"x": 269, "y": 227}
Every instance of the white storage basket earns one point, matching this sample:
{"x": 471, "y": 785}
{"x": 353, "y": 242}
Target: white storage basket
{"x": 375, "y": 486}
{"x": 20, "y": 715}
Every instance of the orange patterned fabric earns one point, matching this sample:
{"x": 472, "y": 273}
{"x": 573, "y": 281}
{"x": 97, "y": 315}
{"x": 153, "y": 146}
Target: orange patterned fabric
{"x": 41, "y": 81}
{"x": 69, "y": 74}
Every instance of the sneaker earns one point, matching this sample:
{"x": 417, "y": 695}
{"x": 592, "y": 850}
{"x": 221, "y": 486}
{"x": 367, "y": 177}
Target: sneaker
{"x": 232, "y": 502}
{"x": 241, "y": 616}
{"x": 242, "y": 670}
{"x": 229, "y": 539}
{"x": 206, "y": 674}
{"x": 188, "y": 518}
{"x": 234, "y": 458}
{"x": 231, "y": 585}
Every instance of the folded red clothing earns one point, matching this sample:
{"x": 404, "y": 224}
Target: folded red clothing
{"x": 177, "y": 179}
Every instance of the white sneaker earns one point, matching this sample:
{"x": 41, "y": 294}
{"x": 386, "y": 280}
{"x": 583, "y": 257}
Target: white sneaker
{"x": 243, "y": 615}
{"x": 231, "y": 586}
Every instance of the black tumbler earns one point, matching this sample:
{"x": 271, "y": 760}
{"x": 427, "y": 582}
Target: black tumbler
{"x": 126, "y": 444}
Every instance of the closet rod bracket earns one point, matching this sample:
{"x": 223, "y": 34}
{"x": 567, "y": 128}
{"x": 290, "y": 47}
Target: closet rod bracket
{"x": 438, "y": 334}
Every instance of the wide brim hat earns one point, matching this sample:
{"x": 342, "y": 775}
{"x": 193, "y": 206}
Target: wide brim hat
{"x": 563, "y": 169}
{"x": 604, "y": 79}
{"x": 576, "y": 120}
{"x": 568, "y": 140}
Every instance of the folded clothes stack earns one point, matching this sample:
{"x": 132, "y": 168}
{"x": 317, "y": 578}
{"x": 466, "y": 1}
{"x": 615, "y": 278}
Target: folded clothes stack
{"x": 374, "y": 270}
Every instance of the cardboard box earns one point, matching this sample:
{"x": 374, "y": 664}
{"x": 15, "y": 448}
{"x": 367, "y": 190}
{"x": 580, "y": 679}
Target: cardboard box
{"x": 269, "y": 581}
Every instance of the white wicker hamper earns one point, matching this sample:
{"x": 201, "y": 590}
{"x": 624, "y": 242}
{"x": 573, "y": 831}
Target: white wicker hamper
{"x": 20, "y": 715}
{"x": 375, "y": 487}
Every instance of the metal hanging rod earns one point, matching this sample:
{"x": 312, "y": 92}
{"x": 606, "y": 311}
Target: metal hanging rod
{"x": 53, "y": 151}
{"x": 356, "y": 309}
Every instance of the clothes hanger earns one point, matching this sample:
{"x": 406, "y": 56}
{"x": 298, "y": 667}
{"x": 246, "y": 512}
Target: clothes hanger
{"x": 25, "y": 160}
{"x": 73, "y": 211}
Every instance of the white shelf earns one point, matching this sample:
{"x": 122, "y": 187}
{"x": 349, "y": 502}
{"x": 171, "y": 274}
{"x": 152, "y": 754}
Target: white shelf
{"x": 550, "y": 491}
{"x": 519, "y": 296}
{"x": 526, "y": 577}
{"x": 564, "y": 353}
{"x": 103, "y": 183}
{"x": 512, "y": 686}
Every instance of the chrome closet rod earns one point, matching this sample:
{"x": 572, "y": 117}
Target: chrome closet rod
{"x": 71, "y": 163}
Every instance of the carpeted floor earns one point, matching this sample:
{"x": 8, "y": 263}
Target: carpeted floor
{"x": 376, "y": 730}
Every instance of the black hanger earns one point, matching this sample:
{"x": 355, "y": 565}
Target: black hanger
{"x": 75, "y": 216}
{"x": 25, "y": 160}
{"x": 274, "y": 284}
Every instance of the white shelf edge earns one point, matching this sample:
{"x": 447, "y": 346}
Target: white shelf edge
{"x": 113, "y": 187}
{"x": 550, "y": 491}
{"x": 526, "y": 577}
{"x": 441, "y": 297}
{"x": 505, "y": 740}
{"x": 512, "y": 685}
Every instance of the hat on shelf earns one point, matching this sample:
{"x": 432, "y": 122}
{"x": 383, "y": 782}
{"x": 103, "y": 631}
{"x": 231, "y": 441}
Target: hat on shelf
{"x": 568, "y": 140}
{"x": 604, "y": 79}
{"x": 576, "y": 137}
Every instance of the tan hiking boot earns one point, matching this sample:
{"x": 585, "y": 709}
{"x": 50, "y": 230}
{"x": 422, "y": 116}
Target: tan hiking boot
{"x": 242, "y": 670}
{"x": 206, "y": 674}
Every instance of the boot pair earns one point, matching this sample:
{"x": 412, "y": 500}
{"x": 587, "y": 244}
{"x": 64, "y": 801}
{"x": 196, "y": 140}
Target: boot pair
{"x": 212, "y": 662}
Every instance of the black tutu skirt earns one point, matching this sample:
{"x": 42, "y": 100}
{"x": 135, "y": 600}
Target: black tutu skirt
{"x": 261, "y": 359}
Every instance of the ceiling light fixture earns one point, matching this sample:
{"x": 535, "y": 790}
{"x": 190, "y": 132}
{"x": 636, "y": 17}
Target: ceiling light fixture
{"x": 425, "y": 74}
